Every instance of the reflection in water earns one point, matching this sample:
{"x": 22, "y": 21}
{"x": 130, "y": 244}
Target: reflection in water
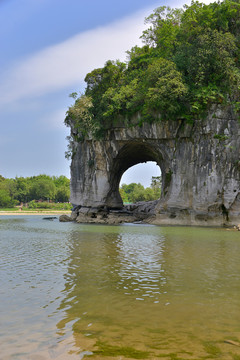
{"x": 108, "y": 274}
{"x": 156, "y": 292}
{"x": 141, "y": 265}
{"x": 76, "y": 291}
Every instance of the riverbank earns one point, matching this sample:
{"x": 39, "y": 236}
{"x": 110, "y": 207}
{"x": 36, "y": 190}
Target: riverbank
{"x": 35, "y": 212}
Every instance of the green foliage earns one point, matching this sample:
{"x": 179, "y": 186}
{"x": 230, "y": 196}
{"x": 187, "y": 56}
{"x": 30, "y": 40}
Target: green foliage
{"x": 124, "y": 195}
{"x": 163, "y": 31}
{"x": 5, "y": 199}
{"x": 62, "y": 185}
{"x": 220, "y": 137}
{"x": 133, "y": 192}
{"x": 81, "y": 116}
{"x": 156, "y": 185}
{"x": 165, "y": 87}
{"x": 41, "y": 187}
{"x": 7, "y": 192}
{"x": 50, "y": 206}
{"x": 23, "y": 189}
{"x": 62, "y": 194}
{"x": 190, "y": 59}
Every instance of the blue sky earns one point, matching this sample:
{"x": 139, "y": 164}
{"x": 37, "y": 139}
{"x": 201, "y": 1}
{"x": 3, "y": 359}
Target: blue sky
{"x": 47, "y": 48}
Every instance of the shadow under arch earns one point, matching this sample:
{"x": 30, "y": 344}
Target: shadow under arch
{"x": 133, "y": 153}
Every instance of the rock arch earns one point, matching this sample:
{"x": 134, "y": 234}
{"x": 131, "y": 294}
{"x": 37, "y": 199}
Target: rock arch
{"x": 199, "y": 162}
{"x": 133, "y": 153}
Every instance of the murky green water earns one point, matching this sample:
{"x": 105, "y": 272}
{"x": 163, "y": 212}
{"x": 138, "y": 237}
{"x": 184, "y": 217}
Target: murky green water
{"x": 72, "y": 291}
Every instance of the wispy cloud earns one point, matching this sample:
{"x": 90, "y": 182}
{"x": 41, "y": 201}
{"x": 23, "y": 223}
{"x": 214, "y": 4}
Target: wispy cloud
{"x": 67, "y": 63}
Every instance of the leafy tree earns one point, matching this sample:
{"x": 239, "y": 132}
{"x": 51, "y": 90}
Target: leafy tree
{"x": 136, "y": 192}
{"x": 190, "y": 59}
{"x": 42, "y": 187}
{"x": 22, "y": 189}
{"x": 98, "y": 82}
{"x": 5, "y": 199}
{"x": 149, "y": 194}
{"x": 61, "y": 181}
{"x": 156, "y": 185}
{"x": 166, "y": 88}
{"x": 81, "y": 116}
{"x": 62, "y": 194}
{"x": 123, "y": 195}
{"x": 6, "y": 193}
{"x": 11, "y": 188}
{"x": 62, "y": 184}
{"x": 116, "y": 101}
{"x": 33, "y": 188}
{"x": 164, "y": 28}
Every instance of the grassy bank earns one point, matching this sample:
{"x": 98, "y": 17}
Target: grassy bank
{"x": 38, "y": 208}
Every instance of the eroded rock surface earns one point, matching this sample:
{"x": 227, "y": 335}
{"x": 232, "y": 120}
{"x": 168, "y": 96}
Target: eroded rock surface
{"x": 200, "y": 166}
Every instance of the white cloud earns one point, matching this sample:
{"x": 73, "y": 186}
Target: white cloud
{"x": 67, "y": 63}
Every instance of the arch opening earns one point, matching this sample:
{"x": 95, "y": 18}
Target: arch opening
{"x": 141, "y": 182}
{"x": 131, "y": 154}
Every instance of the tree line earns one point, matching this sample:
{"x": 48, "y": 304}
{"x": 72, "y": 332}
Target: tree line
{"x": 189, "y": 60}
{"x": 133, "y": 192}
{"x": 27, "y": 189}
{"x": 45, "y": 189}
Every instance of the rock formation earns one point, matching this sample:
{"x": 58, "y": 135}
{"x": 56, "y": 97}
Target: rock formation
{"x": 200, "y": 167}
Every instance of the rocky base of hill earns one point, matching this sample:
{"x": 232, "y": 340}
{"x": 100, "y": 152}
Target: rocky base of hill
{"x": 139, "y": 212}
{"x": 146, "y": 212}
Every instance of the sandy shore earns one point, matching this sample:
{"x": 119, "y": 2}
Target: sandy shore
{"x": 54, "y": 212}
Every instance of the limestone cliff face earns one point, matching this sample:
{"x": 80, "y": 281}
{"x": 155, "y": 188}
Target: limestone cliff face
{"x": 200, "y": 166}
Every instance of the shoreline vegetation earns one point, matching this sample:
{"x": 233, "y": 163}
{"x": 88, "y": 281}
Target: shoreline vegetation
{"x": 35, "y": 192}
{"x": 44, "y": 193}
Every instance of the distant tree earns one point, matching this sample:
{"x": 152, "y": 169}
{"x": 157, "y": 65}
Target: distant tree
{"x": 42, "y": 187}
{"x": 124, "y": 196}
{"x": 61, "y": 181}
{"x": 62, "y": 184}
{"x": 133, "y": 191}
{"x": 11, "y": 188}
{"x": 6, "y": 196}
{"x": 5, "y": 199}
{"x": 156, "y": 185}
{"x": 22, "y": 189}
{"x": 136, "y": 192}
{"x": 62, "y": 194}
{"x": 149, "y": 194}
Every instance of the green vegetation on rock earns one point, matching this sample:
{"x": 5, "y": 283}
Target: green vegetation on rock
{"x": 188, "y": 61}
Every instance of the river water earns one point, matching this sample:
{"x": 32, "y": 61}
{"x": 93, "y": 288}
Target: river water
{"x": 70, "y": 291}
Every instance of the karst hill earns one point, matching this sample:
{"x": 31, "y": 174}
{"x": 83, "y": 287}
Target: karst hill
{"x": 176, "y": 101}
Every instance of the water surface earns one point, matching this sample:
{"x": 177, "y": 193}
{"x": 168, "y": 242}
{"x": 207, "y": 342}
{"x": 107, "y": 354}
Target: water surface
{"x": 71, "y": 291}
